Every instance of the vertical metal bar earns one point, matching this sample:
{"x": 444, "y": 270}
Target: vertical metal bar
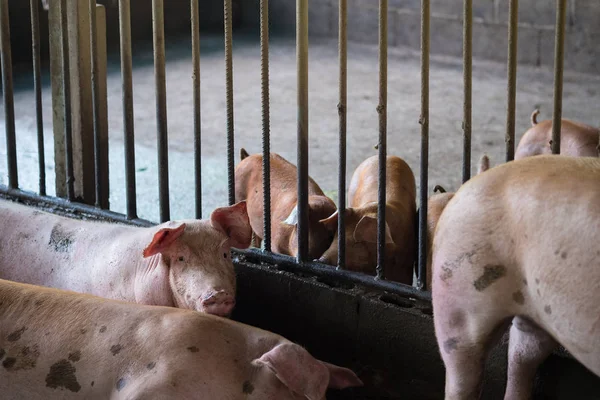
{"x": 512, "y": 78}
{"x": 100, "y": 201}
{"x": 197, "y": 117}
{"x": 8, "y": 98}
{"x": 467, "y": 81}
{"x": 37, "y": 87}
{"x": 158, "y": 29}
{"x": 127, "y": 90}
{"x": 424, "y": 121}
{"x": 342, "y": 112}
{"x": 302, "y": 137}
{"x": 266, "y": 128}
{"x": 102, "y": 172}
{"x": 67, "y": 99}
{"x": 382, "y": 146}
{"x": 229, "y": 99}
{"x": 559, "y": 53}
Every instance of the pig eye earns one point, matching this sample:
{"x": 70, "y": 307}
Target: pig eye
{"x": 180, "y": 258}
{"x": 224, "y": 255}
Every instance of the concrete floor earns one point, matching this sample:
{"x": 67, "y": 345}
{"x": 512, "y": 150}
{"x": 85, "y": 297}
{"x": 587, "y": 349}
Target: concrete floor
{"x": 580, "y": 101}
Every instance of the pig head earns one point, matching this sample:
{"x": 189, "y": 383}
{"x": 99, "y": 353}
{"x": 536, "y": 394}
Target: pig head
{"x": 361, "y": 221}
{"x": 576, "y": 139}
{"x": 284, "y": 205}
{"x": 195, "y": 259}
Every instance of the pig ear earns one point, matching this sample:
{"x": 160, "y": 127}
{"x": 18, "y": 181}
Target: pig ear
{"x": 331, "y": 221}
{"x": 484, "y": 164}
{"x": 233, "y": 221}
{"x": 341, "y": 378}
{"x": 297, "y": 369}
{"x": 292, "y": 219}
{"x": 366, "y": 231}
{"x": 162, "y": 239}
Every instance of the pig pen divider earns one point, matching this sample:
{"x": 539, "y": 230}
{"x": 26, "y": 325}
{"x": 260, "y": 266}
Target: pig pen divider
{"x": 97, "y": 202}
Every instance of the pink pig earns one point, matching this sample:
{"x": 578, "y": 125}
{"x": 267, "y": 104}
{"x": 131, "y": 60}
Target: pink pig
{"x": 185, "y": 264}
{"x": 518, "y": 243}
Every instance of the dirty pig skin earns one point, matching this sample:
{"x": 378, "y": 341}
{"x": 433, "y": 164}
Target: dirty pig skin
{"x": 56, "y": 344}
{"x": 518, "y": 243}
{"x": 184, "y": 264}
{"x": 284, "y": 205}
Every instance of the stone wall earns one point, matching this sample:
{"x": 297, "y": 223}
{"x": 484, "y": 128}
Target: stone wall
{"x": 490, "y": 27}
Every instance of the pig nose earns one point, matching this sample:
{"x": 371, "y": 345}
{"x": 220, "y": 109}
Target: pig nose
{"x": 220, "y": 303}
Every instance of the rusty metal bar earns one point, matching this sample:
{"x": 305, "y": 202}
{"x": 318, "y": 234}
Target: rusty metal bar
{"x": 127, "y": 93}
{"x": 513, "y": 33}
{"x": 266, "y": 129}
{"x": 559, "y": 54}
{"x": 424, "y": 121}
{"x": 342, "y": 112}
{"x": 158, "y": 29}
{"x": 467, "y": 81}
{"x": 197, "y": 116}
{"x": 66, "y": 77}
{"x": 302, "y": 139}
{"x": 382, "y": 145}
{"x": 37, "y": 87}
{"x": 229, "y": 99}
{"x": 8, "y": 97}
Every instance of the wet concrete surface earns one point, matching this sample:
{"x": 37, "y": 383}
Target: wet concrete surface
{"x": 581, "y": 98}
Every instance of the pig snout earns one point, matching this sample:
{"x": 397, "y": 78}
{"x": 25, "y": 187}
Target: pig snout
{"x": 218, "y": 303}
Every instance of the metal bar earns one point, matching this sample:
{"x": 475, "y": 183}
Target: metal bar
{"x": 37, "y": 87}
{"x": 302, "y": 134}
{"x": 342, "y": 112}
{"x": 467, "y": 81}
{"x": 266, "y": 129}
{"x": 8, "y": 97}
{"x": 67, "y": 100}
{"x": 100, "y": 190}
{"x": 197, "y": 116}
{"x": 559, "y": 53}
{"x": 102, "y": 151}
{"x": 229, "y": 99}
{"x": 127, "y": 91}
{"x": 512, "y": 78}
{"x": 158, "y": 29}
{"x": 287, "y": 263}
{"x": 424, "y": 121}
{"x": 382, "y": 145}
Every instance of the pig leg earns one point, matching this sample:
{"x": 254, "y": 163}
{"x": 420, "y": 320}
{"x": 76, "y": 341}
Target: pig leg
{"x": 529, "y": 346}
{"x": 465, "y": 336}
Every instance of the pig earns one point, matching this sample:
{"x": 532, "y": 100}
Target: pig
{"x": 436, "y": 204}
{"x": 184, "y": 264}
{"x": 361, "y": 221}
{"x": 518, "y": 243}
{"x": 284, "y": 205}
{"x": 64, "y": 345}
{"x": 577, "y": 140}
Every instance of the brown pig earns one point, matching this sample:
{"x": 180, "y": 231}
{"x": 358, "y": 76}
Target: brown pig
{"x": 361, "y": 221}
{"x": 518, "y": 243}
{"x": 576, "y": 139}
{"x": 284, "y": 205}
{"x": 436, "y": 204}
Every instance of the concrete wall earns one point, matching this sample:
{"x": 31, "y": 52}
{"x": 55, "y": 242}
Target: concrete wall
{"x": 490, "y": 29}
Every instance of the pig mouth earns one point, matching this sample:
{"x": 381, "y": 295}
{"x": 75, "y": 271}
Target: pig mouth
{"x": 218, "y": 303}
